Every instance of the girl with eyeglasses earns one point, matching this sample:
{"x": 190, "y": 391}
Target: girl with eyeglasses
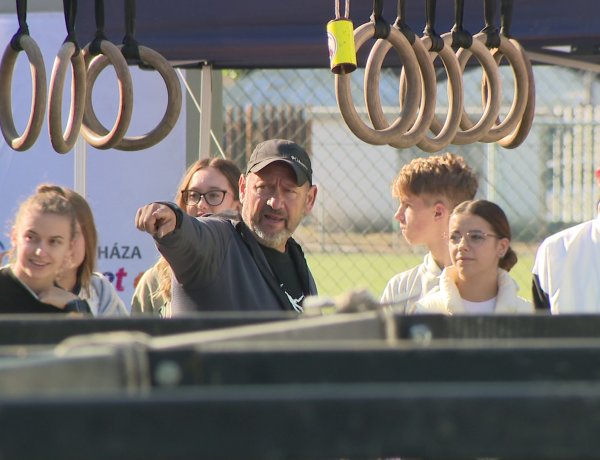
{"x": 209, "y": 186}
{"x": 477, "y": 282}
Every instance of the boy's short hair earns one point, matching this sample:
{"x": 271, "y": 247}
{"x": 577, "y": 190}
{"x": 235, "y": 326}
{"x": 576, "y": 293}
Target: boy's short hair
{"x": 446, "y": 177}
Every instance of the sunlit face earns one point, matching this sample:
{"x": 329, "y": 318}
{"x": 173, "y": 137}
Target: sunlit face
{"x": 481, "y": 255}
{"x": 416, "y": 217}
{"x": 273, "y": 205}
{"x": 204, "y": 181}
{"x": 42, "y": 242}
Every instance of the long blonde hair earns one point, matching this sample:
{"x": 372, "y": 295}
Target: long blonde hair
{"x": 85, "y": 218}
{"x": 232, "y": 173}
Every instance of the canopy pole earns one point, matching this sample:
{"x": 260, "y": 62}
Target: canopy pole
{"x": 80, "y": 166}
{"x": 192, "y": 82}
{"x": 206, "y": 111}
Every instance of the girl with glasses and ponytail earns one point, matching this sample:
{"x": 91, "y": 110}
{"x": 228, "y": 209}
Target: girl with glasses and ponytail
{"x": 477, "y": 282}
{"x": 209, "y": 186}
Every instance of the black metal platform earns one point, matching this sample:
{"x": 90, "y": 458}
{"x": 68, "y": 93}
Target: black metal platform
{"x": 357, "y": 386}
{"x": 434, "y": 421}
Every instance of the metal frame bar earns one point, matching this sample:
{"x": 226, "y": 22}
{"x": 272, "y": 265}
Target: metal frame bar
{"x": 260, "y": 326}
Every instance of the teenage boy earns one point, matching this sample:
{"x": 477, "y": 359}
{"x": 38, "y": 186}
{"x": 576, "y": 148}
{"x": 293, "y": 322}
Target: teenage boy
{"x": 428, "y": 190}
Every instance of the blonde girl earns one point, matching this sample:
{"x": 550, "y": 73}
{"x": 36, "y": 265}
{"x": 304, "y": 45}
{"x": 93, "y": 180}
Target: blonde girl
{"x": 42, "y": 240}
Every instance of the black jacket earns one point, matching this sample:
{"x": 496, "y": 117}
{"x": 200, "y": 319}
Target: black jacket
{"x": 219, "y": 265}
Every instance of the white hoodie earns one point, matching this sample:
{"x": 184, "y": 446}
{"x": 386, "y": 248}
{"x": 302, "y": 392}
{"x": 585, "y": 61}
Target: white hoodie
{"x": 447, "y": 299}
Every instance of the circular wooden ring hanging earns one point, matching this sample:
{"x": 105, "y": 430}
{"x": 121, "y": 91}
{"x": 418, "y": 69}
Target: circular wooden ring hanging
{"x": 110, "y": 138}
{"x": 425, "y": 84}
{"x": 515, "y": 113}
{"x": 518, "y": 136}
{"x": 38, "y": 94}
{"x": 174, "y": 101}
{"x": 446, "y": 134}
{"x": 64, "y": 142}
{"x": 410, "y": 104}
{"x": 427, "y": 101}
{"x": 344, "y": 94}
{"x": 469, "y": 132}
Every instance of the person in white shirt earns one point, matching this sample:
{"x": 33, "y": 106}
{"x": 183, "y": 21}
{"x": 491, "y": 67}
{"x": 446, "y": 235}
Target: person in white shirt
{"x": 428, "y": 189}
{"x": 566, "y": 271}
{"x": 477, "y": 282}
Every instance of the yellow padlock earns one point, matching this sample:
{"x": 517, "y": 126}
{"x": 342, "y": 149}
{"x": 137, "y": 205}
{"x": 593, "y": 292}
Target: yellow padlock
{"x": 340, "y": 40}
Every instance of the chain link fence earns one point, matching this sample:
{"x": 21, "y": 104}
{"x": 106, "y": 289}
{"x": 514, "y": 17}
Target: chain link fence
{"x": 351, "y": 239}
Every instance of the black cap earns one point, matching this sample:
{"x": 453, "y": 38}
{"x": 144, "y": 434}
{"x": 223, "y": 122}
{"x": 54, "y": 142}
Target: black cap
{"x": 289, "y": 152}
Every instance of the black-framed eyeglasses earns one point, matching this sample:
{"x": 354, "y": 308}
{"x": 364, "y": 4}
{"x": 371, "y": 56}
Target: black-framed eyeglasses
{"x": 211, "y": 198}
{"x": 474, "y": 238}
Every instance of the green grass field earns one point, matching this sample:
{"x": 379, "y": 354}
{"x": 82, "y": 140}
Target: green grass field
{"x": 336, "y": 273}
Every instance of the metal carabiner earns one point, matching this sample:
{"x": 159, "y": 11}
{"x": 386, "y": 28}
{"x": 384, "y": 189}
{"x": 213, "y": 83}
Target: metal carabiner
{"x": 337, "y": 10}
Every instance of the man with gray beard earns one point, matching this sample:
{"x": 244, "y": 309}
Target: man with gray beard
{"x": 220, "y": 263}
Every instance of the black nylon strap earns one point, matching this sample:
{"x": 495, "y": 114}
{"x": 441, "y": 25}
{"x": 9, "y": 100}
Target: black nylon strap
{"x": 490, "y": 30}
{"x": 131, "y": 49}
{"x": 437, "y": 42}
{"x": 460, "y": 37}
{"x": 70, "y": 10}
{"x": 99, "y": 35}
{"x": 506, "y": 10}
{"x": 401, "y": 24}
{"x": 382, "y": 28}
{"x": 15, "y": 42}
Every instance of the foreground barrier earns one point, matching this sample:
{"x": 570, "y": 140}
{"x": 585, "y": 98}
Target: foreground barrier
{"x": 359, "y": 385}
{"x": 44, "y": 330}
{"x": 437, "y": 421}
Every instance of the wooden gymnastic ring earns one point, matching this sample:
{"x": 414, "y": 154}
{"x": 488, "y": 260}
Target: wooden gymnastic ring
{"x": 64, "y": 142}
{"x": 518, "y": 136}
{"x": 119, "y": 129}
{"x": 39, "y": 95}
{"x": 164, "y": 127}
{"x": 445, "y": 135}
{"x": 408, "y": 105}
{"x": 344, "y": 95}
{"x": 428, "y": 98}
{"x": 515, "y": 58}
{"x": 473, "y": 133}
